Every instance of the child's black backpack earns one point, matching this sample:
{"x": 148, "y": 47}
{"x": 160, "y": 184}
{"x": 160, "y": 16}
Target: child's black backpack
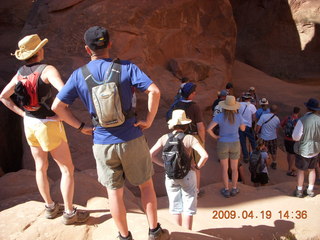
{"x": 177, "y": 163}
{"x": 255, "y": 165}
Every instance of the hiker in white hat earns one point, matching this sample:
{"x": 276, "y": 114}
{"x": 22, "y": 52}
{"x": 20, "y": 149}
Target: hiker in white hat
{"x": 181, "y": 181}
{"x": 264, "y": 108}
{"x": 228, "y": 145}
{"x": 44, "y": 132}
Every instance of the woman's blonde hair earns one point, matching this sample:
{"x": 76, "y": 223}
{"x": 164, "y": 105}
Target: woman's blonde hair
{"x": 229, "y": 115}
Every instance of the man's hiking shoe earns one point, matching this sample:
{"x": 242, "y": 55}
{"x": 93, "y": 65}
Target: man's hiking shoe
{"x": 309, "y": 193}
{"x": 160, "y": 234}
{"x": 75, "y": 217}
{"x": 298, "y": 193}
{"x": 234, "y": 191}
{"x": 274, "y": 165}
{"x": 129, "y": 237}
{"x": 225, "y": 192}
{"x": 51, "y": 213}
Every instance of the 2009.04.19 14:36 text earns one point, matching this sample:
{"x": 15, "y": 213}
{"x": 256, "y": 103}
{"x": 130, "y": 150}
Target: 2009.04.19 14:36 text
{"x": 264, "y": 214}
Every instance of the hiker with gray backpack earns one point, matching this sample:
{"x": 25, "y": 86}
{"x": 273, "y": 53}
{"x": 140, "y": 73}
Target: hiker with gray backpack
{"x": 119, "y": 146}
{"x": 179, "y": 165}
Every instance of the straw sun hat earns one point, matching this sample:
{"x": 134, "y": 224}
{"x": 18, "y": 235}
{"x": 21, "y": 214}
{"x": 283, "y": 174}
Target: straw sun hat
{"x": 230, "y": 103}
{"x": 29, "y": 46}
{"x": 178, "y": 118}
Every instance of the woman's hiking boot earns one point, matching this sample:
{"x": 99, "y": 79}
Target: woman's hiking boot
{"x": 51, "y": 213}
{"x": 75, "y": 217}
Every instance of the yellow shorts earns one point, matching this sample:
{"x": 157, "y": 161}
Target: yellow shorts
{"x": 44, "y": 133}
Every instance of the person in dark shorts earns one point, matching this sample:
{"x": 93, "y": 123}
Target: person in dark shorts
{"x": 306, "y": 133}
{"x": 288, "y": 141}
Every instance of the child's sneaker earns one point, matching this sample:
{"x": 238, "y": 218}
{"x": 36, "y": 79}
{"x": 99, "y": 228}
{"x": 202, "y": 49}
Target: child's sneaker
{"x": 51, "y": 213}
{"x": 225, "y": 192}
{"x": 160, "y": 234}
{"x": 234, "y": 191}
{"x": 75, "y": 217}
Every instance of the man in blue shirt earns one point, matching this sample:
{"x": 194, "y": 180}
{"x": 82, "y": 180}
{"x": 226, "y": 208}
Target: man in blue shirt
{"x": 122, "y": 151}
{"x": 263, "y": 102}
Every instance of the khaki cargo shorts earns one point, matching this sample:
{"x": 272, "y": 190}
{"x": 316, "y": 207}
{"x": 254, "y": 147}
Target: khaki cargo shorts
{"x": 228, "y": 150}
{"x": 128, "y": 160}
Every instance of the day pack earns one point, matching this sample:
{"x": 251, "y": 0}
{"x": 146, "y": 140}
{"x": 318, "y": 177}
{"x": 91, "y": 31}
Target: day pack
{"x": 255, "y": 165}
{"x": 288, "y": 128}
{"x": 106, "y": 96}
{"x": 26, "y": 89}
{"x": 177, "y": 163}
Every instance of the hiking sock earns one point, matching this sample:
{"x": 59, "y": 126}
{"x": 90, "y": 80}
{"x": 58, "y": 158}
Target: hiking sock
{"x": 299, "y": 188}
{"x": 51, "y": 205}
{"x": 155, "y": 229}
{"x": 310, "y": 187}
{"x": 68, "y": 211}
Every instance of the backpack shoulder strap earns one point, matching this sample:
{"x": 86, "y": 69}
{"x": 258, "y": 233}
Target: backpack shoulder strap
{"x": 40, "y": 68}
{"x": 114, "y": 72}
{"x": 244, "y": 109}
{"x": 170, "y": 136}
{"x": 180, "y": 135}
{"x": 268, "y": 119}
{"x": 91, "y": 82}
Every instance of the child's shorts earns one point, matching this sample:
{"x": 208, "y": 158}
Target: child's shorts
{"x": 182, "y": 194}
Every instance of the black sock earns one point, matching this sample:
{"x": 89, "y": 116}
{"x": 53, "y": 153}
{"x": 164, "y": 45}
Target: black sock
{"x": 129, "y": 235}
{"x": 155, "y": 229}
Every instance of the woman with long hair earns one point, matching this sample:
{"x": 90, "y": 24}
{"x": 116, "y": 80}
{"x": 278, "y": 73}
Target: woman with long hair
{"x": 228, "y": 145}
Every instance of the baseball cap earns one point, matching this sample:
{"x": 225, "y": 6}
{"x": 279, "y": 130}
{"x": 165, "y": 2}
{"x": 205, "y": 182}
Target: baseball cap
{"x": 96, "y": 37}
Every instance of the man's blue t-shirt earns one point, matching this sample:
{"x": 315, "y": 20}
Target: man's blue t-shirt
{"x": 131, "y": 75}
{"x": 261, "y": 111}
{"x": 228, "y": 132}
